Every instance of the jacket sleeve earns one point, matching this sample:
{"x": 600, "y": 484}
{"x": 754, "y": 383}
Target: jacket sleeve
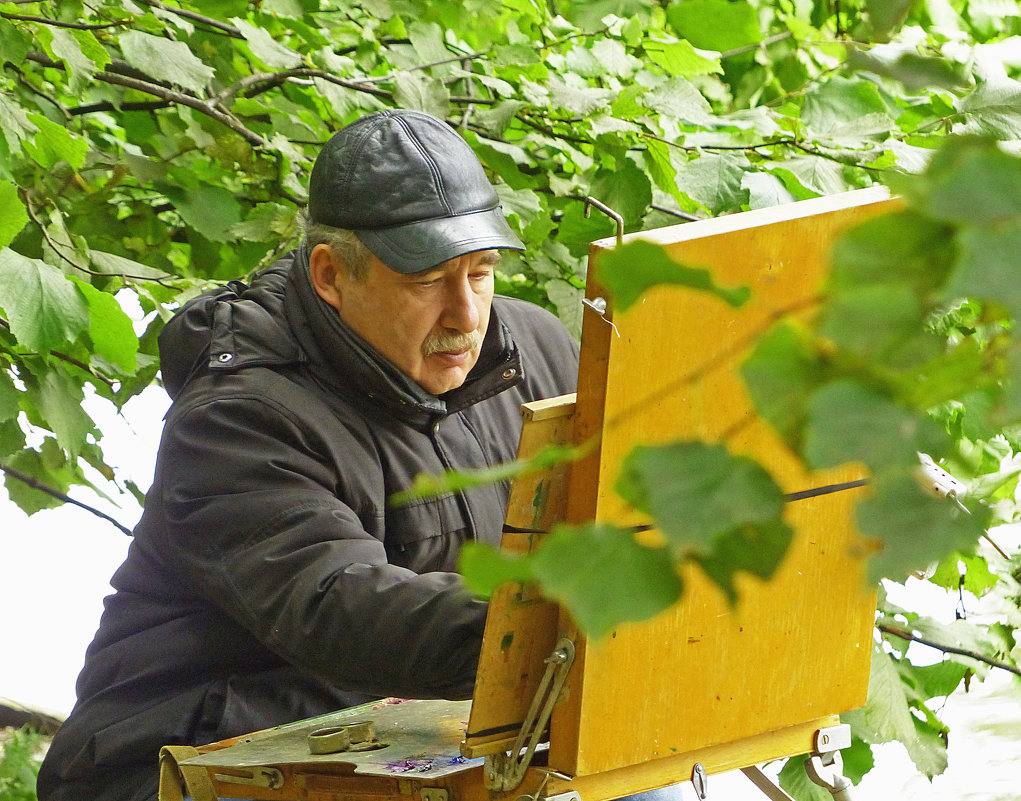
{"x": 263, "y": 524}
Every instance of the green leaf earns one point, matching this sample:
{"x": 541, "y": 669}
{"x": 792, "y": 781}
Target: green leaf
{"x": 15, "y": 124}
{"x": 12, "y": 213}
{"x": 485, "y": 568}
{"x": 886, "y": 715}
{"x": 811, "y": 176}
{"x": 53, "y": 143}
{"x": 573, "y": 94}
{"x": 895, "y": 333}
{"x": 613, "y": 579}
{"x": 715, "y": 24}
{"x": 970, "y": 180}
{"x": 110, "y": 329}
{"x": 994, "y": 109}
{"x": 49, "y": 466}
{"x": 660, "y": 167}
{"x": 15, "y": 44}
{"x": 755, "y": 549}
{"x": 427, "y": 39}
{"x": 696, "y": 492}
{"x": 614, "y": 58}
{"x": 43, "y": 307}
{"x": 680, "y": 58}
{"x": 841, "y": 410}
{"x": 10, "y": 396}
{"x": 781, "y": 374}
{"x": 886, "y": 17}
{"x": 631, "y": 270}
{"x": 842, "y": 108}
{"x": 795, "y": 781}
{"x": 679, "y": 99}
{"x": 265, "y": 48}
{"x": 987, "y": 266}
{"x": 129, "y": 269}
{"x": 915, "y": 71}
{"x": 912, "y": 527}
{"x": 937, "y": 680}
{"x": 59, "y": 402}
{"x": 714, "y": 181}
{"x": 420, "y": 92}
{"x": 165, "y": 59}
{"x": 12, "y": 438}
{"x": 210, "y": 210}
{"x": 626, "y": 190}
{"x": 901, "y": 248}
{"x": 427, "y": 486}
{"x": 765, "y": 190}
{"x": 81, "y": 53}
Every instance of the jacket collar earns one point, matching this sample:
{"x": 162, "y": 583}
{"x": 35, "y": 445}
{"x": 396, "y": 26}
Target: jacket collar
{"x": 345, "y": 364}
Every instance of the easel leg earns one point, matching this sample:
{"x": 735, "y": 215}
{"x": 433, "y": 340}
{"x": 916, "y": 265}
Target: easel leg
{"x": 762, "y": 781}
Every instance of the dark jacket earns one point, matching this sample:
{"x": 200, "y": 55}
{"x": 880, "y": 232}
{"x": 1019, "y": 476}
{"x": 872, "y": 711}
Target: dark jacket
{"x": 269, "y": 580}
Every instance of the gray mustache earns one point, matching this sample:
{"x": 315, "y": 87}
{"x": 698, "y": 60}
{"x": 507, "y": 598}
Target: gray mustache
{"x": 443, "y": 342}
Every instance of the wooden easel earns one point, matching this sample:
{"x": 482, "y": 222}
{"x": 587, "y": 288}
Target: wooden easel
{"x": 702, "y": 688}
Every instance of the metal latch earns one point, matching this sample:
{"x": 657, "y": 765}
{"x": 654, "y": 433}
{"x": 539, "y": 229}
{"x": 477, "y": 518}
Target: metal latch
{"x": 256, "y": 777}
{"x": 505, "y": 771}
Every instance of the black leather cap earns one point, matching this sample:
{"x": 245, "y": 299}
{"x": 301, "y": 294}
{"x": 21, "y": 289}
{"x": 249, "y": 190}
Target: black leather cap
{"x": 411, "y": 189}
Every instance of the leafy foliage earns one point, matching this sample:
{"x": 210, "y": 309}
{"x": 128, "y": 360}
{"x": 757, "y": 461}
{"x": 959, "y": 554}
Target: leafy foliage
{"x": 149, "y": 149}
{"x": 19, "y": 764}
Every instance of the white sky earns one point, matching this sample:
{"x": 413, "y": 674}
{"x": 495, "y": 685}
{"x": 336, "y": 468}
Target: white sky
{"x": 57, "y": 563}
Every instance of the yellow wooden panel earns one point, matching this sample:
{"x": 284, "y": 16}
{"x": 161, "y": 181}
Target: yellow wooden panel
{"x": 798, "y": 647}
{"x": 521, "y": 626}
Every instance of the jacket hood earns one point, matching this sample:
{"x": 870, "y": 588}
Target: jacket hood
{"x": 228, "y": 328}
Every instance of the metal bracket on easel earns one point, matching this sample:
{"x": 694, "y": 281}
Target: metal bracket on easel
{"x": 824, "y": 766}
{"x": 617, "y": 219}
{"x": 505, "y": 771}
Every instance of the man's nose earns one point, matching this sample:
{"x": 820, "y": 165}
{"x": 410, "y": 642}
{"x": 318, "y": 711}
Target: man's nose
{"x": 459, "y": 310}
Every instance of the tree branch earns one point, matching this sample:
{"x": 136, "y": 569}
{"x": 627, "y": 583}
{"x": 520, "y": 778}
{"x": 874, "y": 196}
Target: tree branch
{"x": 263, "y": 81}
{"x": 36, "y": 484}
{"x": 106, "y": 105}
{"x": 192, "y": 16}
{"x": 229, "y": 120}
{"x": 904, "y": 634}
{"x": 78, "y": 26}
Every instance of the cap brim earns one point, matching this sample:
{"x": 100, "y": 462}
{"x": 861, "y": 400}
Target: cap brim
{"x": 414, "y": 247}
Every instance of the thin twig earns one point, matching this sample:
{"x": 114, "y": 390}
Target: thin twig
{"x": 78, "y": 26}
{"x": 39, "y": 92}
{"x": 56, "y": 247}
{"x": 229, "y": 120}
{"x": 36, "y": 484}
{"x": 904, "y": 634}
{"x": 192, "y": 16}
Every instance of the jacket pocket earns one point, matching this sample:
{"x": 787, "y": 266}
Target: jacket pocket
{"x": 427, "y": 535}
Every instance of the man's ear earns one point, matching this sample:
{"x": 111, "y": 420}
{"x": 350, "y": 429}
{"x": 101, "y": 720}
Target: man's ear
{"x": 327, "y": 271}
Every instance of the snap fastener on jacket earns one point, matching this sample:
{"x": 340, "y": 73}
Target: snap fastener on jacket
{"x": 509, "y": 373}
{"x": 226, "y": 357}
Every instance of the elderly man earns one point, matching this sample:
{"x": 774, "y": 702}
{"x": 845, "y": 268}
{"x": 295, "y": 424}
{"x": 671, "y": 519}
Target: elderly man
{"x": 269, "y": 579}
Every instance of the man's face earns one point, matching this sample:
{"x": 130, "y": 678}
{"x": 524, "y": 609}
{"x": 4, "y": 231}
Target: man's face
{"x": 429, "y": 324}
